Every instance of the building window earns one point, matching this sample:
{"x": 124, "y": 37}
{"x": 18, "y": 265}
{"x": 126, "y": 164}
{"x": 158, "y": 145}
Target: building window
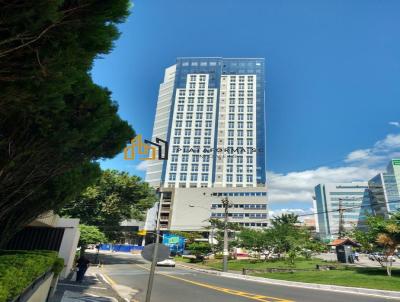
{"x": 190, "y": 108}
{"x": 177, "y": 140}
{"x": 174, "y": 158}
{"x": 240, "y": 141}
{"x": 195, "y": 158}
{"x": 202, "y": 78}
{"x": 239, "y": 159}
{"x": 239, "y": 178}
{"x": 240, "y": 108}
{"x": 210, "y": 100}
{"x": 208, "y": 124}
{"x": 180, "y": 107}
{"x": 178, "y": 123}
{"x": 240, "y": 116}
{"x": 249, "y": 178}
{"x": 205, "y": 168}
{"x": 172, "y": 176}
{"x": 182, "y": 177}
{"x": 189, "y": 116}
{"x": 193, "y": 77}
{"x": 231, "y": 117}
{"x": 188, "y": 124}
{"x": 187, "y": 132}
{"x": 230, "y": 141}
{"x": 173, "y": 167}
{"x": 208, "y": 116}
{"x": 230, "y": 132}
{"x": 185, "y": 158}
{"x": 249, "y": 142}
{"x": 229, "y": 178}
{"x": 204, "y": 177}
{"x": 198, "y": 123}
{"x": 196, "y": 140}
{"x": 250, "y": 125}
{"x": 250, "y": 117}
{"x": 207, "y": 132}
{"x": 206, "y": 158}
{"x": 197, "y": 132}
{"x": 207, "y": 141}
{"x": 240, "y": 125}
{"x": 231, "y": 125}
{"x": 190, "y": 100}
{"x": 249, "y": 159}
{"x": 195, "y": 167}
{"x": 199, "y": 115}
{"x": 229, "y": 168}
{"x": 193, "y": 177}
{"x": 177, "y": 131}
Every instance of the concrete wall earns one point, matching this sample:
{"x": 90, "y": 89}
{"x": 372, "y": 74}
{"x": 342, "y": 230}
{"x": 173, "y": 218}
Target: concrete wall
{"x": 41, "y": 293}
{"x": 69, "y": 243}
{"x": 184, "y": 217}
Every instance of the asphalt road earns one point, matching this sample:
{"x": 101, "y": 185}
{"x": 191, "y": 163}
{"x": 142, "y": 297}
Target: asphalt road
{"x": 183, "y": 285}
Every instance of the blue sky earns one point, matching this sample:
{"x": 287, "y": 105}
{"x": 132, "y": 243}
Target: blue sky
{"x": 332, "y": 79}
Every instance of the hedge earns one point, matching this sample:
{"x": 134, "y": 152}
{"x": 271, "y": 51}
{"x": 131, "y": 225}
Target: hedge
{"x": 18, "y": 269}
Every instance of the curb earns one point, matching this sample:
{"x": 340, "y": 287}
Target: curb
{"x": 333, "y": 288}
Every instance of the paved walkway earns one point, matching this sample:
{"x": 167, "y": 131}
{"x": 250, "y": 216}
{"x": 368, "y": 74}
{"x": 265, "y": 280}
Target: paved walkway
{"x": 94, "y": 288}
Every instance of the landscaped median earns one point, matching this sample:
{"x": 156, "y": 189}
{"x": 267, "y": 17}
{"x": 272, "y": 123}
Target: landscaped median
{"x": 304, "y": 270}
{"x": 19, "y": 269}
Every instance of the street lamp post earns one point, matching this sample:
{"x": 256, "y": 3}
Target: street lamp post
{"x": 225, "y": 204}
{"x": 155, "y": 252}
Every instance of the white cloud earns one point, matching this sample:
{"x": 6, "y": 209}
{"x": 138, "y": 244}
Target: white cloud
{"x": 359, "y": 165}
{"x": 142, "y": 166}
{"x": 381, "y": 152}
{"x": 396, "y": 124}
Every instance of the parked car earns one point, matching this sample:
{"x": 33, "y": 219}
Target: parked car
{"x": 167, "y": 262}
{"x": 380, "y": 257}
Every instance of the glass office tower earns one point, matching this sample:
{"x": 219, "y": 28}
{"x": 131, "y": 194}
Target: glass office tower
{"x": 211, "y": 111}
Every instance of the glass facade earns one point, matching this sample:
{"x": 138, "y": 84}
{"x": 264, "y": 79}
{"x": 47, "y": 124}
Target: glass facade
{"x": 384, "y": 190}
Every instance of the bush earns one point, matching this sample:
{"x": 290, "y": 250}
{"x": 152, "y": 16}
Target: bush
{"x": 18, "y": 269}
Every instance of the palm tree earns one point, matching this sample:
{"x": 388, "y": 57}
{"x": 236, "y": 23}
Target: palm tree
{"x": 289, "y": 219}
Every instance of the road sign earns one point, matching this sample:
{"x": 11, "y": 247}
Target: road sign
{"x": 162, "y": 254}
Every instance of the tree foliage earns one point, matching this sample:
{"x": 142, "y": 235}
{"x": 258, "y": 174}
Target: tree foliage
{"x": 54, "y": 121}
{"x": 283, "y": 237}
{"x": 199, "y": 248}
{"x": 382, "y": 234}
{"x": 115, "y": 196}
{"x": 90, "y": 235}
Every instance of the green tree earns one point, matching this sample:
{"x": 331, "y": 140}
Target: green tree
{"x": 199, "y": 248}
{"x": 115, "y": 196}
{"x": 381, "y": 234}
{"x": 55, "y": 123}
{"x": 259, "y": 241}
{"x": 89, "y": 235}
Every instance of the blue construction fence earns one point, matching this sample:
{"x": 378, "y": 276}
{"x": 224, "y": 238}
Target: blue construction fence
{"x": 127, "y": 248}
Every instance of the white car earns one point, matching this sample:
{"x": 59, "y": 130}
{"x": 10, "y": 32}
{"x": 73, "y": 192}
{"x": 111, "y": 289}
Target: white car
{"x": 167, "y": 262}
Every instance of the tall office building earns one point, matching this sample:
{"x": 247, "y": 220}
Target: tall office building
{"x": 384, "y": 188}
{"x": 211, "y": 112}
{"x": 353, "y": 198}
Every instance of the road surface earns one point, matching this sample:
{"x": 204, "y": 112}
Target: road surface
{"x": 183, "y": 285}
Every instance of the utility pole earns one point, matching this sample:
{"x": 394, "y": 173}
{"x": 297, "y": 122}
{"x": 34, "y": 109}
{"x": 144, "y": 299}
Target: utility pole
{"x": 225, "y": 203}
{"x": 341, "y": 218}
{"x": 154, "y": 260}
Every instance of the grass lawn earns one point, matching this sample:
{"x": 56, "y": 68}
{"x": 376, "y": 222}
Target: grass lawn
{"x": 354, "y": 277}
{"x": 346, "y": 276}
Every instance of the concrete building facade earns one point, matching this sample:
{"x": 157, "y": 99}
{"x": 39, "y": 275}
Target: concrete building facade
{"x": 211, "y": 112}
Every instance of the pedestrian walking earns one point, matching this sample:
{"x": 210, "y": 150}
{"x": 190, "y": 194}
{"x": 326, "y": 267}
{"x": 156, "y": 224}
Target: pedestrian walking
{"x": 356, "y": 256}
{"x": 82, "y": 265}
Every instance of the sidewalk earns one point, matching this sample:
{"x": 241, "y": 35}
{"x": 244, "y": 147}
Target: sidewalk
{"x": 94, "y": 288}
